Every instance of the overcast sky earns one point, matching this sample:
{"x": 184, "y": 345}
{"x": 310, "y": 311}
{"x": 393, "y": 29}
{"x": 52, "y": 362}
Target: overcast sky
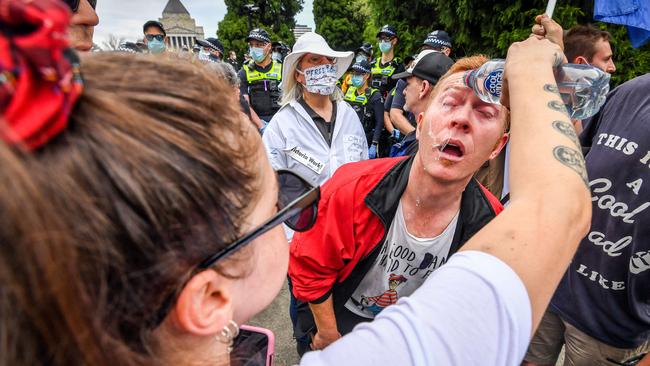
{"x": 125, "y": 18}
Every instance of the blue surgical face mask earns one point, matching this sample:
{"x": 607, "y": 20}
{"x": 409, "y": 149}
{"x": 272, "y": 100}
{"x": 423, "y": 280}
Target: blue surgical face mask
{"x": 277, "y": 56}
{"x": 357, "y": 80}
{"x": 361, "y": 58}
{"x": 156, "y": 46}
{"x": 385, "y": 46}
{"x": 257, "y": 54}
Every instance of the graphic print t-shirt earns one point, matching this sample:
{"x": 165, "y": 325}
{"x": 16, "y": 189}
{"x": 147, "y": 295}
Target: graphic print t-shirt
{"x": 404, "y": 263}
{"x": 606, "y": 290}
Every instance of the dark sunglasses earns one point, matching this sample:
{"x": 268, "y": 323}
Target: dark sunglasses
{"x": 74, "y": 4}
{"x": 157, "y": 37}
{"x": 297, "y": 208}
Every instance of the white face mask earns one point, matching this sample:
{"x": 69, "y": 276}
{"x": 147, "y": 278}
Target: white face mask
{"x": 204, "y": 55}
{"x": 321, "y": 79}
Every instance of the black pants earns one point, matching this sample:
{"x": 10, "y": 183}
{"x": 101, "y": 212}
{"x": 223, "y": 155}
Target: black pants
{"x": 345, "y": 322}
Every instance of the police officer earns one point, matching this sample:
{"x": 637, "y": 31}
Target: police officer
{"x": 260, "y": 78}
{"x": 211, "y": 50}
{"x": 363, "y": 53}
{"x": 366, "y": 101}
{"x": 386, "y": 65}
{"x": 438, "y": 40}
{"x": 280, "y": 51}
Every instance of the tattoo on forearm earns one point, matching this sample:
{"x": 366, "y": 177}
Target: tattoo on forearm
{"x": 558, "y": 106}
{"x": 573, "y": 159}
{"x": 551, "y": 89}
{"x": 567, "y": 130}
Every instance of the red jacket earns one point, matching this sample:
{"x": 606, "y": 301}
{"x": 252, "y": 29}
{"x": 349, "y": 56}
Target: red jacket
{"x": 356, "y": 209}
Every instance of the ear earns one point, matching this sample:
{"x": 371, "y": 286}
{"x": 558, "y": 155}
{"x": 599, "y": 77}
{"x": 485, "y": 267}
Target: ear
{"x": 300, "y": 78}
{"x": 204, "y": 306}
{"x": 425, "y": 86}
{"x": 499, "y": 146}
{"x": 446, "y": 51}
{"x": 580, "y": 60}
{"x": 419, "y": 124}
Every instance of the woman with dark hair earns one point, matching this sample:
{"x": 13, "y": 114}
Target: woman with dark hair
{"x": 116, "y": 192}
{"x": 141, "y": 220}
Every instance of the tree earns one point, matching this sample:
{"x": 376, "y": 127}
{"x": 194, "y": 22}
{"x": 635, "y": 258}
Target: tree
{"x": 342, "y": 22}
{"x": 276, "y": 16}
{"x": 413, "y": 20}
{"x": 490, "y": 27}
{"x": 112, "y": 43}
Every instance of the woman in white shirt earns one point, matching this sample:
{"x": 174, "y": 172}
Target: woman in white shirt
{"x": 315, "y": 132}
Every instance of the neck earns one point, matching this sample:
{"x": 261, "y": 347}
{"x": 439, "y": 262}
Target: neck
{"x": 265, "y": 62}
{"x": 440, "y": 195}
{"x": 387, "y": 57}
{"x": 316, "y": 101}
{"x": 176, "y": 349}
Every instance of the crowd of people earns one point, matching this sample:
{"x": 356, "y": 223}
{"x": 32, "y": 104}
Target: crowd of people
{"x": 155, "y": 200}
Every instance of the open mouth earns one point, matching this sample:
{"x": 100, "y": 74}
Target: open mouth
{"x": 453, "y": 148}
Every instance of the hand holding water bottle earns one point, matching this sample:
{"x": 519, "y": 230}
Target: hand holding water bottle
{"x": 582, "y": 88}
{"x": 546, "y": 27}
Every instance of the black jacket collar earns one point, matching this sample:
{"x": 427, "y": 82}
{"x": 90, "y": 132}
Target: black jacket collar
{"x": 475, "y": 209}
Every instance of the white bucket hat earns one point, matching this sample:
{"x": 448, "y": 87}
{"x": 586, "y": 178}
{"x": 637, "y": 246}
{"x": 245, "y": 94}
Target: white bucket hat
{"x": 315, "y": 43}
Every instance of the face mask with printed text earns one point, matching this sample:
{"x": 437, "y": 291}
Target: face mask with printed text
{"x": 320, "y": 79}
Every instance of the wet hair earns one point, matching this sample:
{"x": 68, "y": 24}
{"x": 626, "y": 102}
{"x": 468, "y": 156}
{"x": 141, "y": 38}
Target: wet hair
{"x": 581, "y": 40}
{"x": 107, "y": 219}
{"x": 461, "y": 65}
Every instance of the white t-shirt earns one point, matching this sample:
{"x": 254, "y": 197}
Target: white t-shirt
{"x": 473, "y": 311}
{"x": 403, "y": 264}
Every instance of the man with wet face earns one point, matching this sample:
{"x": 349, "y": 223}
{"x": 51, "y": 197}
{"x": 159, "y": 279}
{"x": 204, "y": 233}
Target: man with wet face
{"x": 419, "y": 81}
{"x": 398, "y": 217}
{"x": 82, "y": 23}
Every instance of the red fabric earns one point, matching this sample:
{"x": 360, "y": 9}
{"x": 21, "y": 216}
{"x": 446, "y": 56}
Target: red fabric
{"x": 386, "y": 299}
{"x": 494, "y": 201}
{"x": 39, "y": 84}
{"x": 329, "y": 252}
{"x": 314, "y": 269}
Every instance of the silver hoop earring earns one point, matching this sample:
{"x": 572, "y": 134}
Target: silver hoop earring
{"x": 228, "y": 334}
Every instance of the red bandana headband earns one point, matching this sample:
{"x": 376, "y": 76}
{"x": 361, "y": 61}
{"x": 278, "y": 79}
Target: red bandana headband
{"x": 39, "y": 74}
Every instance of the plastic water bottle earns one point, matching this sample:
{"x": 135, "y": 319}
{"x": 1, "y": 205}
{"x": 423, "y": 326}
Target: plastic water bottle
{"x": 583, "y": 88}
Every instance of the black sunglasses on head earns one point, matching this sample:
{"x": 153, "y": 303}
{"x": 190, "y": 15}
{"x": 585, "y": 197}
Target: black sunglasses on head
{"x": 74, "y": 4}
{"x": 297, "y": 208}
{"x": 157, "y": 37}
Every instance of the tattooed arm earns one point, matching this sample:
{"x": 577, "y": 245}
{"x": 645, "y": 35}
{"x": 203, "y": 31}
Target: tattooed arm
{"x": 550, "y": 209}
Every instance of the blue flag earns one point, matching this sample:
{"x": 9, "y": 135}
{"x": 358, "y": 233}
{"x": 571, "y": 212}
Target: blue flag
{"x": 635, "y": 14}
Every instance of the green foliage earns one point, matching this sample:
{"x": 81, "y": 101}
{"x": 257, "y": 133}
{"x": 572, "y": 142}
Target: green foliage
{"x": 413, "y": 20}
{"x": 276, "y": 16}
{"x": 490, "y": 27}
{"x": 341, "y": 22}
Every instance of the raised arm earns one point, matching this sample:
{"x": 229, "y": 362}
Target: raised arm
{"x": 550, "y": 206}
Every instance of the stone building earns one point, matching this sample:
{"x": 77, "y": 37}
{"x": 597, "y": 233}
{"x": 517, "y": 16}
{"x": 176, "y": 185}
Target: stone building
{"x": 181, "y": 28}
{"x": 299, "y": 30}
